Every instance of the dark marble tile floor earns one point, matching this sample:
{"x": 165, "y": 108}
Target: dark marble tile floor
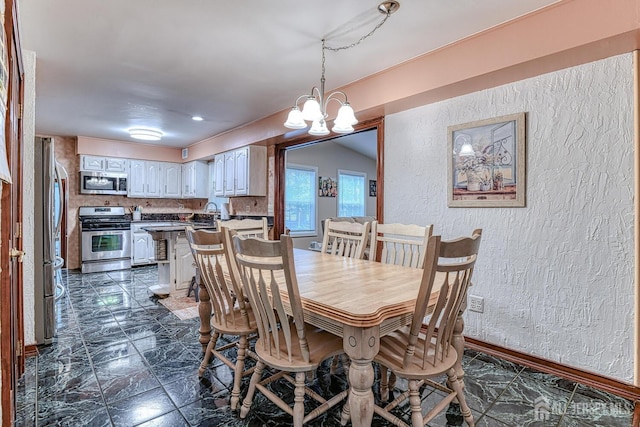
{"x": 122, "y": 359}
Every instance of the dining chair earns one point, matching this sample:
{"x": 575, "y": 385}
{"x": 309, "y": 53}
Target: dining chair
{"x": 400, "y": 244}
{"x": 347, "y": 239}
{"x": 420, "y": 352}
{"x": 285, "y": 343}
{"x": 231, "y": 316}
{"x": 247, "y": 227}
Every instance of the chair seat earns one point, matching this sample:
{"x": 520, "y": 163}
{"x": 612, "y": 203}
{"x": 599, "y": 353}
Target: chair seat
{"x": 322, "y": 345}
{"x": 239, "y": 327}
{"x": 390, "y": 356}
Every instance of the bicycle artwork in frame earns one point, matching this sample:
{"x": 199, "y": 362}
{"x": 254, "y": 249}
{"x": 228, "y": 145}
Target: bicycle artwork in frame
{"x": 486, "y": 166}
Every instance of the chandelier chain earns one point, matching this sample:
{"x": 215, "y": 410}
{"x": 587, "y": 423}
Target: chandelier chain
{"x": 360, "y": 40}
{"x": 349, "y": 46}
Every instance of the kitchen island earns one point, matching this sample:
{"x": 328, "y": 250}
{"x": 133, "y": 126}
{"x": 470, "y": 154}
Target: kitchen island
{"x": 175, "y": 262}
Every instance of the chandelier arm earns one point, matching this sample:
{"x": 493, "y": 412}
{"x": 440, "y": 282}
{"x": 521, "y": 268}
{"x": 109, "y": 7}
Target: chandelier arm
{"x": 332, "y": 97}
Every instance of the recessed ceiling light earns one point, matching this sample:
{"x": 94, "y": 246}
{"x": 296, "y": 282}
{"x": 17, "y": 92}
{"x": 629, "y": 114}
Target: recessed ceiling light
{"x": 197, "y": 118}
{"x": 145, "y": 134}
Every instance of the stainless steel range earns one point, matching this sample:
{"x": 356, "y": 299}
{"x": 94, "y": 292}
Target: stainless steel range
{"x": 105, "y": 238}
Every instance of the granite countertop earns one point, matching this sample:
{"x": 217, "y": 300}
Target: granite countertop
{"x": 179, "y": 226}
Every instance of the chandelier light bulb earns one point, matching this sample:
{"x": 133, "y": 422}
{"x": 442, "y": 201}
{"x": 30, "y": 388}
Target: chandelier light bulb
{"x": 342, "y": 128}
{"x": 295, "y": 120}
{"x": 319, "y": 128}
{"x": 346, "y": 116}
{"x": 311, "y": 110}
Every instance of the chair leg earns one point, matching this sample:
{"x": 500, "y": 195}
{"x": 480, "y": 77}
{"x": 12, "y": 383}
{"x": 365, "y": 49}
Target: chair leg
{"x": 456, "y": 385}
{"x": 298, "y": 406}
{"x": 334, "y": 365}
{"x": 248, "y": 399}
{"x": 414, "y": 402}
{"x": 208, "y": 353}
{"x": 243, "y": 344}
{"x": 346, "y": 364}
{"x": 384, "y": 383}
{"x": 346, "y": 413}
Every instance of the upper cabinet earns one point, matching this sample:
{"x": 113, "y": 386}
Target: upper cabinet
{"x": 172, "y": 179}
{"x": 241, "y": 172}
{"x": 103, "y": 164}
{"x": 154, "y": 179}
{"x": 218, "y": 176}
{"x": 194, "y": 180}
{"x": 147, "y": 178}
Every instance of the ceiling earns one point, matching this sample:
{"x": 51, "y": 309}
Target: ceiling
{"x": 106, "y": 66}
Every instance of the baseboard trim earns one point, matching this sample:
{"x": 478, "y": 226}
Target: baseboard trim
{"x": 613, "y": 386}
{"x": 30, "y": 350}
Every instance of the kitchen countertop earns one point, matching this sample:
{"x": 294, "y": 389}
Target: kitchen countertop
{"x": 178, "y": 226}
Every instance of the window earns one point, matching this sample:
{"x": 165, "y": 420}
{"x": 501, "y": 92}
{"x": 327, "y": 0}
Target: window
{"x": 300, "y": 200}
{"x": 351, "y": 193}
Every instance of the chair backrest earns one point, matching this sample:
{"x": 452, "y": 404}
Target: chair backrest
{"x": 219, "y": 274}
{"x": 454, "y": 260}
{"x": 266, "y": 266}
{"x": 348, "y": 239}
{"x": 247, "y": 227}
{"x": 400, "y": 244}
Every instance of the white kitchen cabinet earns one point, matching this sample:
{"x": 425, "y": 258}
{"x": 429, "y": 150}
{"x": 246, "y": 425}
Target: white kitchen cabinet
{"x": 194, "y": 180}
{"x": 243, "y": 172}
{"x": 103, "y": 164}
{"x": 153, "y": 178}
{"x": 172, "y": 178}
{"x": 229, "y": 174}
{"x": 185, "y": 264}
{"x": 142, "y": 248}
{"x": 137, "y": 182}
{"x": 146, "y": 179}
{"x": 142, "y": 244}
{"x": 218, "y": 173}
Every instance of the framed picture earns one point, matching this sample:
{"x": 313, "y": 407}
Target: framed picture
{"x": 486, "y": 164}
{"x": 373, "y": 188}
{"x": 327, "y": 187}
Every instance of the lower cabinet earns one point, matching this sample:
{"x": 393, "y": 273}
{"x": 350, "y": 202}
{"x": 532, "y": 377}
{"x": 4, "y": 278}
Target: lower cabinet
{"x": 142, "y": 248}
{"x": 142, "y": 244}
{"x": 185, "y": 264}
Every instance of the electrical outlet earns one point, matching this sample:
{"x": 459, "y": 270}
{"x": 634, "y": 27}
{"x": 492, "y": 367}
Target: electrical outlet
{"x": 476, "y": 304}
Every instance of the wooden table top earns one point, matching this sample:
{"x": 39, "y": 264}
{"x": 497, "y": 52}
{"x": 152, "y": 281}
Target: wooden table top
{"x": 355, "y": 292}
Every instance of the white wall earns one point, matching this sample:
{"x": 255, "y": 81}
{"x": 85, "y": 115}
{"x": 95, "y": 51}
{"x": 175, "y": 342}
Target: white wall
{"x": 557, "y": 275}
{"x": 329, "y": 157}
{"x": 28, "y": 126}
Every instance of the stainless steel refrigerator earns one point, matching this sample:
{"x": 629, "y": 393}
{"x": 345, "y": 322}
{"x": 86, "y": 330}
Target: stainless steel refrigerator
{"x": 50, "y": 204}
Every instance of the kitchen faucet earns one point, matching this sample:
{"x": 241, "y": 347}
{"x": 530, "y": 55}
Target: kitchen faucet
{"x": 214, "y": 211}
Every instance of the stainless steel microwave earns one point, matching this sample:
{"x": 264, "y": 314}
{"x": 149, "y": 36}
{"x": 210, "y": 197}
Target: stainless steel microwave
{"x": 103, "y": 183}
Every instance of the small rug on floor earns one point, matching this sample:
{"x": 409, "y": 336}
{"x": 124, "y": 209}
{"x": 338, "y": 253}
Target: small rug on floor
{"x": 182, "y": 306}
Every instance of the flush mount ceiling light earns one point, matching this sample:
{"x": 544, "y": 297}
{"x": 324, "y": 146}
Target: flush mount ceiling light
{"x": 145, "y": 134}
{"x": 197, "y": 118}
{"x": 314, "y": 109}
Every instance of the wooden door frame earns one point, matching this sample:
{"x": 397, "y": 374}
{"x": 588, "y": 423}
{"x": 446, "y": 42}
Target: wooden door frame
{"x": 11, "y": 205}
{"x": 280, "y": 169}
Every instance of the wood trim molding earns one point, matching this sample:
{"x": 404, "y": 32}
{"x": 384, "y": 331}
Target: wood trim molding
{"x": 31, "y": 350}
{"x": 627, "y": 391}
{"x": 636, "y": 243}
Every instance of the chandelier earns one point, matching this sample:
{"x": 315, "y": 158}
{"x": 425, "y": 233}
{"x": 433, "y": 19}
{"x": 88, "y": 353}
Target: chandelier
{"x": 314, "y": 109}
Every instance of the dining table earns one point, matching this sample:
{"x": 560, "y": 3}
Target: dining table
{"x": 360, "y": 301}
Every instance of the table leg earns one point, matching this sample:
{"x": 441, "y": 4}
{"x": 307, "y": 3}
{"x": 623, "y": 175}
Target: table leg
{"x": 361, "y": 345}
{"x": 204, "y": 310}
